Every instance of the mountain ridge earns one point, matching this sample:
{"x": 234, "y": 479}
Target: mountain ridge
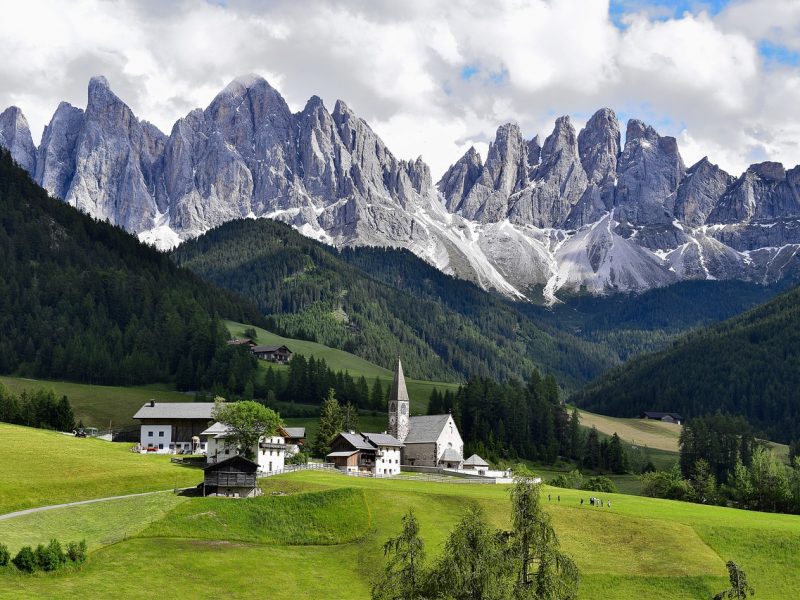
{"x": 578, "y": 212}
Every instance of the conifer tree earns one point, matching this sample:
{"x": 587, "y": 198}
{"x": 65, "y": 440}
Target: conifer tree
{"x": 331, "y": 423}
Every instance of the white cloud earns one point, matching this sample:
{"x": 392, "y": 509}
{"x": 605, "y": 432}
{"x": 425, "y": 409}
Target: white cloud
{"x": 401, "y": 66}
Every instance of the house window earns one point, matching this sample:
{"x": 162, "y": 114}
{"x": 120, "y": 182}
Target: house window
{"x": 161, "y": 446}
{"x": 160, "y": 434}
{"x": 149, "y": 434}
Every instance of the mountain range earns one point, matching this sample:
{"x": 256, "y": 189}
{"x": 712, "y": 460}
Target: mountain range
{"x": 576, "y": 212}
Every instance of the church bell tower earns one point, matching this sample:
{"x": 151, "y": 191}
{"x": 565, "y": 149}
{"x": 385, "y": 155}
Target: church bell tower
{"x": 399, "y": 405}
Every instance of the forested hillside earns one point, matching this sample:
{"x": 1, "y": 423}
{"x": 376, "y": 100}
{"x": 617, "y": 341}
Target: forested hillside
{"x": 748, "y": 365}
{"x": 85, "y": 301}
{"x": 379, "y": 304}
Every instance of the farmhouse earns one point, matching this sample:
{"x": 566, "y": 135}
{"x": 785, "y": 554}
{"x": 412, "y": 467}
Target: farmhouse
{"x": 428, "y": 441}
{"x": 174, "y": 427}
{"x": 662, "y": 416}
{"x": 233, "y": 477}
{"x": 276, "y": 354}
{"x": 271, "y": 452}
{"x": 374, "y": 453}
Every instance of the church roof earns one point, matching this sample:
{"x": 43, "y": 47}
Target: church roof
{"x": 399, "y": 391}
{"x": 425, "y": 429}
{"x": 450, "y": 455}
{"x": 475, "y": 461}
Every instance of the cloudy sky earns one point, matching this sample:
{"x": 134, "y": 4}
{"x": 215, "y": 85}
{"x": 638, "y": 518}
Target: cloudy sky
{"x": 433, "y": 78}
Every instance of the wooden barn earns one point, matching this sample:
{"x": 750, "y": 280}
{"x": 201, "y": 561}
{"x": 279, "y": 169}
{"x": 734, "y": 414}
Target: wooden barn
{"x": 235, "y": 477}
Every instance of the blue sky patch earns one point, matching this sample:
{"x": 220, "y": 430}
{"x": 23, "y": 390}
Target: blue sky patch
{"x": 663, "y": 9}
{"x": 775, "y": 53}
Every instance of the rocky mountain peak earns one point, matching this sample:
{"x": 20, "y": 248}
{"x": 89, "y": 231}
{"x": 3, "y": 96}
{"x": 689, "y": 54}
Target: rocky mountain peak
{"x": 458, "y": 180}
{"x": 15, "y": 134}
{"x": 769, "y": 170}
{"x": 599, "y": 146}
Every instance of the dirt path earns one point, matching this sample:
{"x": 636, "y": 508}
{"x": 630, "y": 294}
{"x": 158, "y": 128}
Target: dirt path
{"x": 29, "y": 511}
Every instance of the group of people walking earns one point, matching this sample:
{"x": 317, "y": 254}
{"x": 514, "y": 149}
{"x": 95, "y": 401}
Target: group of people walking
{"x": 598, "y": 502}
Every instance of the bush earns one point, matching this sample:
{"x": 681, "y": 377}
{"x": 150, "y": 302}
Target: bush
{"x": 601, "y": 483}
{"x": 25, "y": 560}
{"x": 5, "y": 555}
{"x": 76, "y": 551}
{"x": 666, "y": 484}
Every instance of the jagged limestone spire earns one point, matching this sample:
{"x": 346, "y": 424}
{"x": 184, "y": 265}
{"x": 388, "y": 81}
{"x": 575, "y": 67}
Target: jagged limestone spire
{"x": 399, "y": 405}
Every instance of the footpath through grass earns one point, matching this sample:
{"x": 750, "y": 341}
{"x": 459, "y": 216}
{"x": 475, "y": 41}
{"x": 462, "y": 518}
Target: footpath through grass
{"x": 45, "y": 467}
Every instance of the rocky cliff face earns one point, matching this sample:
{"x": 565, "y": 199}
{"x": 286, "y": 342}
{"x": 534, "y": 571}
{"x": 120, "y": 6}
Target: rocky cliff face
{"x": 578, "y": 212}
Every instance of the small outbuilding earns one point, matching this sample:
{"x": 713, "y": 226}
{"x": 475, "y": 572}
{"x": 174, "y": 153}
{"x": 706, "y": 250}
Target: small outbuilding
{"x": 235, "y": 477}
{"x": 476, "y": 463}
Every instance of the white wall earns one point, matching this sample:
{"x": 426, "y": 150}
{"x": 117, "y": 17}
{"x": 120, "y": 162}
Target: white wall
{"x": 450, "y": 438}
{"x": 156, "y": 436}
{"x": 271, "y": 459}
{"x": 389, "y": 463}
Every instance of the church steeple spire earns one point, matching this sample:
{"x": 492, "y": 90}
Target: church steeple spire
{"x": 399, "y": 405}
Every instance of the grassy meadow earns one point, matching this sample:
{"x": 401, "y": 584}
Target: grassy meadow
{"x": 45, "y": 467}
{"x": 97, "y": 405}
{"x": 323, "y": 539}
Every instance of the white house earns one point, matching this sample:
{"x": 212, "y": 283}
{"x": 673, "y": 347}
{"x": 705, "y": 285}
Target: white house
{"x": 428, "y": 441}
{"x": 173, "y": 427}
{"x": 270, "y": 451}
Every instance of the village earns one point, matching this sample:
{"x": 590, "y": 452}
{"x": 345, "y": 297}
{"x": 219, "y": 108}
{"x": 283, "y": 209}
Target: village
{"x": 415, "y": 444}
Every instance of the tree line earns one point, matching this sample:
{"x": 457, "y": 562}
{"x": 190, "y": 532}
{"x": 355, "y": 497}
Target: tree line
{"x": 39, "y": 408}
{"x": 721, "y": 462}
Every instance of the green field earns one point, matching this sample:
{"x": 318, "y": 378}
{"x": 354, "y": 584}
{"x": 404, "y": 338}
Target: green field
{"x": 44, "y": 467}
{"x": 339, "y": 360}
{"x": 321, "y": 537}
{"x": 99, "y": 405}
{"x": 323, "y": 540}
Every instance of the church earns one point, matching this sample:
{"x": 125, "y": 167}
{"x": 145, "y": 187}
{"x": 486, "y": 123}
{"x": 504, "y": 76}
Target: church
{"x": 428, "y": 441}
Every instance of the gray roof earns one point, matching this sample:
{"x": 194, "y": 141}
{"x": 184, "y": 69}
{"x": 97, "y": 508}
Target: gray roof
{"x": 425, "y": 429}
{"x": 176, "y": 410}
{"x": 475, "y": 461}
{"x": 295, "y": 432}
{"x": 269, "y": 348}
{"x": 342, "y": 453}
{"x": 450, "y": 455}
{"x": 217, "y": 430}
{"x": 398, "y": 390}
{"x": 383, "y": 439}
{"x": 357, "y": 441}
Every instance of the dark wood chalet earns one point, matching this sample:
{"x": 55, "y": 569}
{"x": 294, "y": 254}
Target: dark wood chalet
{"x": 277, "y": 354}
{"x": 246, "y": 342}
{"x": 352, "y": 452}
{"x": 233, "y": 477}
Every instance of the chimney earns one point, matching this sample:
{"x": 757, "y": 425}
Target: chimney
{"x": 152, "y": 403}
{"x": 352, "y": 432}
